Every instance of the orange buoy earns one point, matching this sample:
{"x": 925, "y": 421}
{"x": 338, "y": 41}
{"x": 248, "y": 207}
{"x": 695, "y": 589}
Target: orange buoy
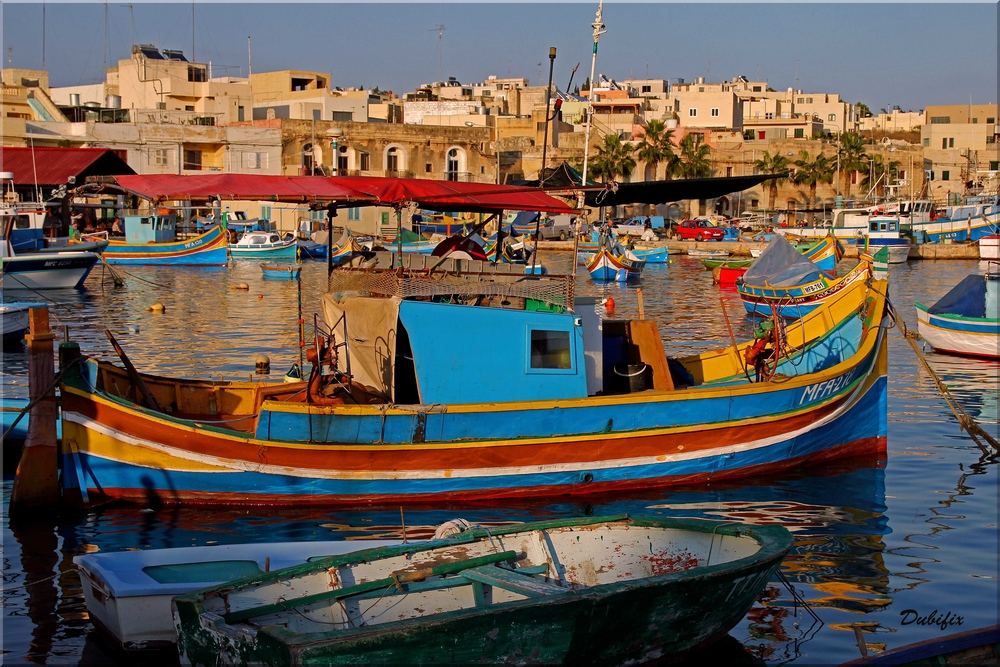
{"x": 609, "y": 305}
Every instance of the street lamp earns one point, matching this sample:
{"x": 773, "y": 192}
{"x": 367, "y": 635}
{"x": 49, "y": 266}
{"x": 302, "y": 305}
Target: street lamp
{"x": 335, "y": 133}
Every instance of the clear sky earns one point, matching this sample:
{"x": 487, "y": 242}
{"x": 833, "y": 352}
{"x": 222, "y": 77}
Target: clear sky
{"x": 882, "y": 54}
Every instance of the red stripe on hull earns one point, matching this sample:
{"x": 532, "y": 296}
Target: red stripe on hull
{"x": 863, "y": 448}
{"x": 432, "y": 457}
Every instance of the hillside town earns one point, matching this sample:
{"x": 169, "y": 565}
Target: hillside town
{"x": 163, "y": 114}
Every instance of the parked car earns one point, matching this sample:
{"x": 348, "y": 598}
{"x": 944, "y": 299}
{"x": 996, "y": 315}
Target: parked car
{"x": 558, "y": 228}
{"x": 700, "y": 230}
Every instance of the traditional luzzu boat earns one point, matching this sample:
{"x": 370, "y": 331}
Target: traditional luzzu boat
{"x": 640, "y": 587}
{"x": 966, "y": 320}
{"x": 727, "y": 262}
{"x": 151, "y": 239}
{"x": 414, "y": 422}
{"x": 616, "y": 264}
{"x": 824, "y": 252}
{"x": 884, "y": 231}
{"x": 783, "y": 281}
{"x": 659, "y": 255}
{"x": 264, "y": 245}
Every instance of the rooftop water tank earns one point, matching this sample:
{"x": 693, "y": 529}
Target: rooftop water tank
{"x": 113, "y": 102}
{"x": 74, "y": 99}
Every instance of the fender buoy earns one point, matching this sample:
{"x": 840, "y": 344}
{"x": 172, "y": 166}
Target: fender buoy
{"x": 609, "y": 305}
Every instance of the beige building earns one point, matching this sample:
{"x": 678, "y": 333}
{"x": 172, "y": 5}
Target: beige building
{"x": 302, "y": 95}
{"x": 961, "y": 146}
{"x": 895, "y": 120}
{"x": 25, "y": 96}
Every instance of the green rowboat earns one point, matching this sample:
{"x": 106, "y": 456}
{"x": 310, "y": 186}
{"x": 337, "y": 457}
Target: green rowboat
{"x": 611, "y": 590}
{"x": 711, "y": 263}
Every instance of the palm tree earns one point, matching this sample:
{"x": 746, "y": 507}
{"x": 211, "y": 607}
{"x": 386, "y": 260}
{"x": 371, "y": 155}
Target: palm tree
{"x": 773, "y": 164}
{"x": 693, "y": 162}
{"x": 852, "y": 157}
{"x": 613, "y": 160}
{"x": 656, "y": 146}
{"x": 811, "y": 172}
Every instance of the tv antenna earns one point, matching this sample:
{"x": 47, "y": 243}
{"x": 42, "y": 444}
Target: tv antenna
{"x": 440, "y": 31}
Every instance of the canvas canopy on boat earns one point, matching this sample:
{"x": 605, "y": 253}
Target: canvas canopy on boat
{"x": 352, "y": 190}
{"x": 781, "y": 265}
{"x": 167, "y": 187}
{"x": 454, "y": 195}
{"x": 369, "y": 328}
{"x": 968, "y": 299}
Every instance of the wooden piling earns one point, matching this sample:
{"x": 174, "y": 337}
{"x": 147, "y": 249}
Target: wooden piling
{"x": 36, "y": 482}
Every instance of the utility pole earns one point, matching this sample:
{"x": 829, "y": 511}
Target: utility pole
{"x": 440, "y": 31}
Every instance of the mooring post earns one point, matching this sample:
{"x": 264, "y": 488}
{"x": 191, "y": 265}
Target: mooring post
{"x": 36, "y": 482}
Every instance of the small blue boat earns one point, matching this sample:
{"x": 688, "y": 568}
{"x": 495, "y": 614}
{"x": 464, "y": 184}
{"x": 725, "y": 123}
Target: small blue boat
{"x": 281, "y": 271}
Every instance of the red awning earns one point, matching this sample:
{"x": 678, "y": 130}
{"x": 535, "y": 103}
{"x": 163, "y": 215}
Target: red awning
{"x": 51, "y": 166}
{"x": 455, "y": 195}
{"x": 345, "y": 191}
{"x": 293, "y": 189}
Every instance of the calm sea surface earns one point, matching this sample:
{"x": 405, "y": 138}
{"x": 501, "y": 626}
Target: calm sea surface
{"x": 879, "y": 543}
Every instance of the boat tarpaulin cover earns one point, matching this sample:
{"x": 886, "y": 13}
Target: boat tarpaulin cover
{"x": 455, "y": 195}
{"x": 180, "y": 187}
{"x": 661, "y": 192}
{"x": 368, "y": 326}
{"x": 781, "y": 265}
{"x": 967, "y": 298}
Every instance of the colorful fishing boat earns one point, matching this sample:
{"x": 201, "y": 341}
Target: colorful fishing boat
{"x": 966, "y": 320}
{"x": 128, "y": 593}
{"x": 409, "y": 425}
{"x": 264, "y": 245}
{"x": 660, "y": 255}
{"x": 825, "y": 252}
{"x": 642, "y": 587}
{"x": 884, "y": 231}
{"x": 281, "y": 271}
{"x": 783, "y": 281}
{"x": 619, "y": 265}
{"x": 727, "y": 276}
{"x": 151, "y": 239}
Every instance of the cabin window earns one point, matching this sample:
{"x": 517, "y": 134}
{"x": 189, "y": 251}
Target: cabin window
{"x": 550, "y": 349}
{"x": 873, "y": 227}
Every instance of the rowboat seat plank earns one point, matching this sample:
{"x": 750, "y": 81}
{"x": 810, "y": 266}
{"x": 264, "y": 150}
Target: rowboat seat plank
{"x": 512, "y": 581}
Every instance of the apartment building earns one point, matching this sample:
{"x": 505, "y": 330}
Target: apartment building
{"x": 961, "y": 146}
{"x": 302, "y": 95}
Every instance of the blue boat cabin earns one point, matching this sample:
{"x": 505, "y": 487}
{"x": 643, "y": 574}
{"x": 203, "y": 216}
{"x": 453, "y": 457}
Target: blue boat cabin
{"x": 151, "y": 228}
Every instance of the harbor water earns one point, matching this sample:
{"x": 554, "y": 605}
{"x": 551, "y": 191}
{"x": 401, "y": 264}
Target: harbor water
{"x": 904, "y": 548}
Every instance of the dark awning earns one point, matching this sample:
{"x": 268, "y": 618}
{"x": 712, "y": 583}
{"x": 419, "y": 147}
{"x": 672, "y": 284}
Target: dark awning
{"x": 662, "y": 192}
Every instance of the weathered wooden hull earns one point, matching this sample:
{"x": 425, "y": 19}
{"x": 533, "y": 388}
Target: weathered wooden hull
{"x": 281, "y": 272}
{"x": 626, "y": 594}
{"x": 208, "y": 249}
{"x": 292, "y": 452}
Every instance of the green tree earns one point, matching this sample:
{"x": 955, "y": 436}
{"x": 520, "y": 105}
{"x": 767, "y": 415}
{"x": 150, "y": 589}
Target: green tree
{"x": 656, "y": 146}
{"x": 773, "y": 164}
{"x": 694, "y": 162}
{"x": 853, "y": 158}
{"x": 613, "y": 160}
{"x": 863, "y": 110}
{"x": 810, "y": 172}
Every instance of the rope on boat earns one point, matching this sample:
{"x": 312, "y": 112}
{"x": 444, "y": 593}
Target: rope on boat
{"x": 965, "y": 422}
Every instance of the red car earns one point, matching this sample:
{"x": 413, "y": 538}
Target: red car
{"x": 700, "y": 230}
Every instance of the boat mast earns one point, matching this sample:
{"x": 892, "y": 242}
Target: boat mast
{"x": 598, "y": 26}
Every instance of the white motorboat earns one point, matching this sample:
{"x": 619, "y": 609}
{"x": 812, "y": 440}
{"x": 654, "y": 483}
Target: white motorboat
{"x": 128, "y": 593}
